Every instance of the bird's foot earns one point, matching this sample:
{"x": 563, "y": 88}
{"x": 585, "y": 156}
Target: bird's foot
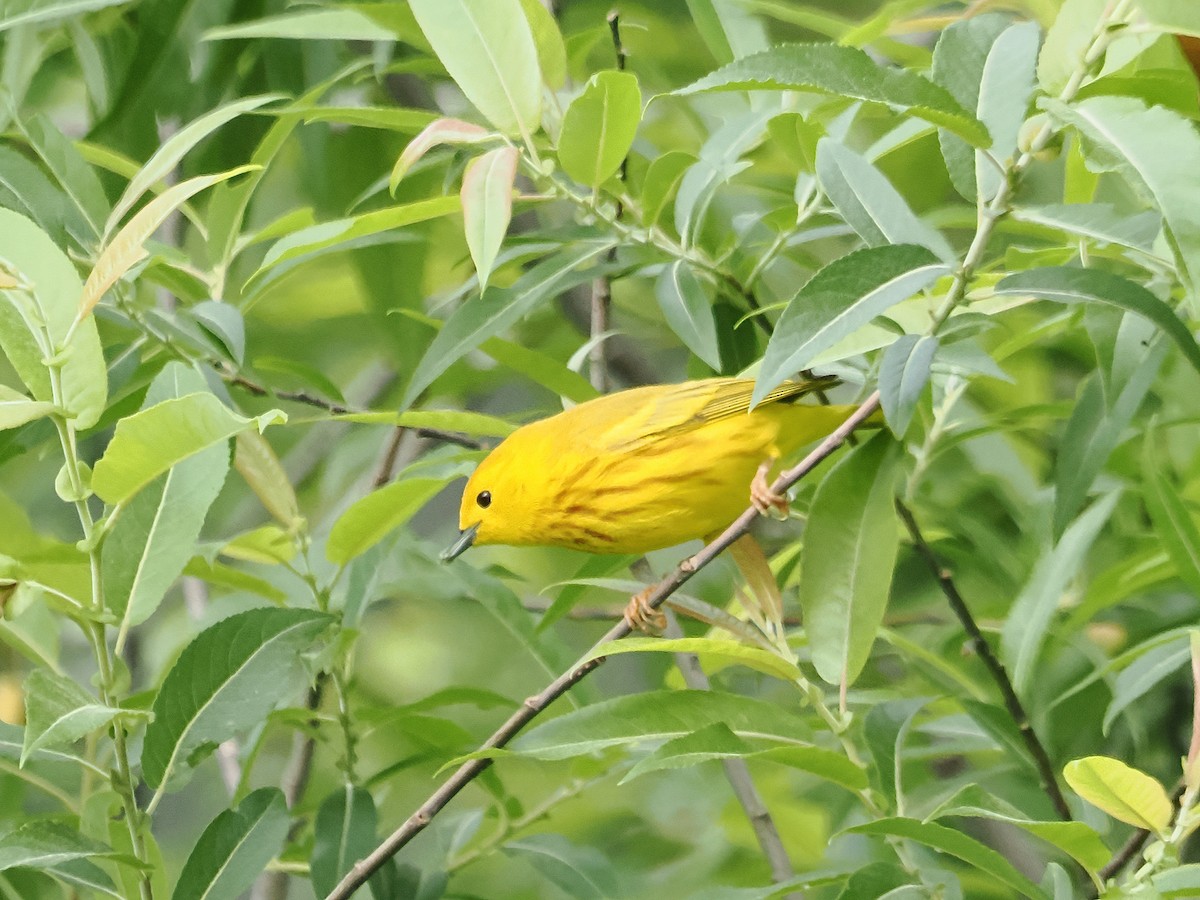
{"x": 641, "y": 616}
{"x": 763, "y": 498}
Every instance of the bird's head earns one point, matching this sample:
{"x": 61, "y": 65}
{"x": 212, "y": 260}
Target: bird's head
{"x": 499, "y": 505}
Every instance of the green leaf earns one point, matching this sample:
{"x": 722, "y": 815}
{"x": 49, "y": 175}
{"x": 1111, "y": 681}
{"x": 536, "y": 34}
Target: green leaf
{"x": 1150, "y": 148}
{"x": 1095, "y": 429}
{"x": 661, "y": 181}
{"x": 1100, "y": 222}
{"x": 225, "y": 322}
{"x": 844, "y": 72}
{"x": 76, "y": 177}
{"x": 173, "y": 149}
{"x": 155, "y": 535}
{"x": 349, "y": 22}
{"x": 1028, "y": 621}
{"x": 724, "y": 651}
{"x": 1172, "y": 16}
{"x": 847, "y": 560}
{"x": 487, "y": 195}
{"x": 1078, "y": 840}
{"x": 551, "y": 50}
{"x": 578, "y": 871}
{"x": 59, "y": 712}
{"x": 716, "y": 741}
{"x": 1172, "y": 521}
{"x": 344, "y": 832}
{"x": 486, "y": 315}
{"x": 391, "y": 118}
{"x": 487, "y": 47}
{"x": 988, "y": 65}
{"x": 148, "y": 443}
{"x": 458, "y": 420}
{"x": 599, "y": 127}
{"x": 658, "y": 715}
{"x": 128, "y": 246}
{"x": 687, "y": 306}
{"x": 17, "y": 409}
{"x": 41, "y": 844}
{"x": 903, "y": 375}
{"x": 1066, "y": 284}
{"x": 368, "y": 520}
{"x": 235, "y": 847}
{"x": 727, "y": 29}
{"x": 15, "y": 13}
{"x": 869, "y": 203}
{"x": 226, "y": 680}
{"x": 845, "y": 295}
{"x": 337, "y": 235}
{"x": 1067, "y": 40}
{"x": 955, "y": 843}
{"x": 258, "y": 465}
{"x": 28, "y": 321}
{"x": 1182, "y": 881}
{"x": 1144, "y": 674}
{"x": 1121, "y": 791}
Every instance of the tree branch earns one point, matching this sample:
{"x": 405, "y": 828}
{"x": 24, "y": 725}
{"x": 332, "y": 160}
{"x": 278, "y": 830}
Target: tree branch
{"x": 995, "y": 668}
{"x": 533, "y": 706}
{"x": 338, "y": 409}
{"x": 738, "y": 773}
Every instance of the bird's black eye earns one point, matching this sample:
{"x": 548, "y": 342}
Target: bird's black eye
{"x": 484, "y": 499}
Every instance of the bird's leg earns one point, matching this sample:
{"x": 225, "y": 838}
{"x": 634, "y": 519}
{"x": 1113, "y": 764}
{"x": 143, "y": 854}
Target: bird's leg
{"x": 641, "y": 616}
{"x": 762, "y": 497}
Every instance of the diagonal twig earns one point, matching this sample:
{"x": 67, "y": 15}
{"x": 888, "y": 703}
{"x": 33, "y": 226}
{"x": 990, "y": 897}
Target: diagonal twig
{"x": 1012, "y": 702}
{"x": 533, "y": 706}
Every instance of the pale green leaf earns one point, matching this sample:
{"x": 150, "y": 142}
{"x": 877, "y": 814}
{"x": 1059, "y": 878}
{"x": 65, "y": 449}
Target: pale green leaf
{"x": 369, "y": 519}
{"x": 33, "y": 325}
{"x": 1122, "y": 791}
{"x": 599, "y": 127}
{"x": 128, "y": 246}
{"x": 723, "y": 651}
{"x": 870, "y": 205}
{"x": 148, "y": 443}
{"x": 686, "y": 304}
{"x": 487, "y": 47}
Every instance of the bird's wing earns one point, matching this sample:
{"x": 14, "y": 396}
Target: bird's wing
{"x": 685, "y": 407}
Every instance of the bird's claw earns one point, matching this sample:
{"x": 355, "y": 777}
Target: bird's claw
{"x": 641, "y": 616}
{"x": 763, "y": 498}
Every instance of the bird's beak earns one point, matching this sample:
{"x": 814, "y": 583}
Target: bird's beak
{"x": 465, "y": 540}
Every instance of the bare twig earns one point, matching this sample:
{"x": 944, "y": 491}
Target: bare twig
{"x": 1012, "y": 702}
{"x": 601, "y": 303}
{"x": 273, "y": 885}
{"x": 738, "y": 773}
{"x": 533, "y": 706}
{"x": 386, "y": 465}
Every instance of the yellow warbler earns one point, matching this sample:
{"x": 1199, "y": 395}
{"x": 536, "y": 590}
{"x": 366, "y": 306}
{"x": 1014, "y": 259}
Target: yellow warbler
{"x": 640, "y": 469}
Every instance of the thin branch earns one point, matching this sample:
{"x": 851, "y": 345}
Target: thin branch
{"x": 338, "y": 409}
{"x": 388, "y": 464}
{"x": 273, "y": 884}
{"x": 738, "y": 773}
{"x": 991, "y": 662}
{"x": 533, "y": 706}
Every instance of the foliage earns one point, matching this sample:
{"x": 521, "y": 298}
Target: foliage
{"x": 273, "y": 277}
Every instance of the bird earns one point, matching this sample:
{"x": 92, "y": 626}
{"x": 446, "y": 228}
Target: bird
{"x": 642, "y": 469}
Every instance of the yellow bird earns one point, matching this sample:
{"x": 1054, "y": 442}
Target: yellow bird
{"x": 641, "y": 469}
